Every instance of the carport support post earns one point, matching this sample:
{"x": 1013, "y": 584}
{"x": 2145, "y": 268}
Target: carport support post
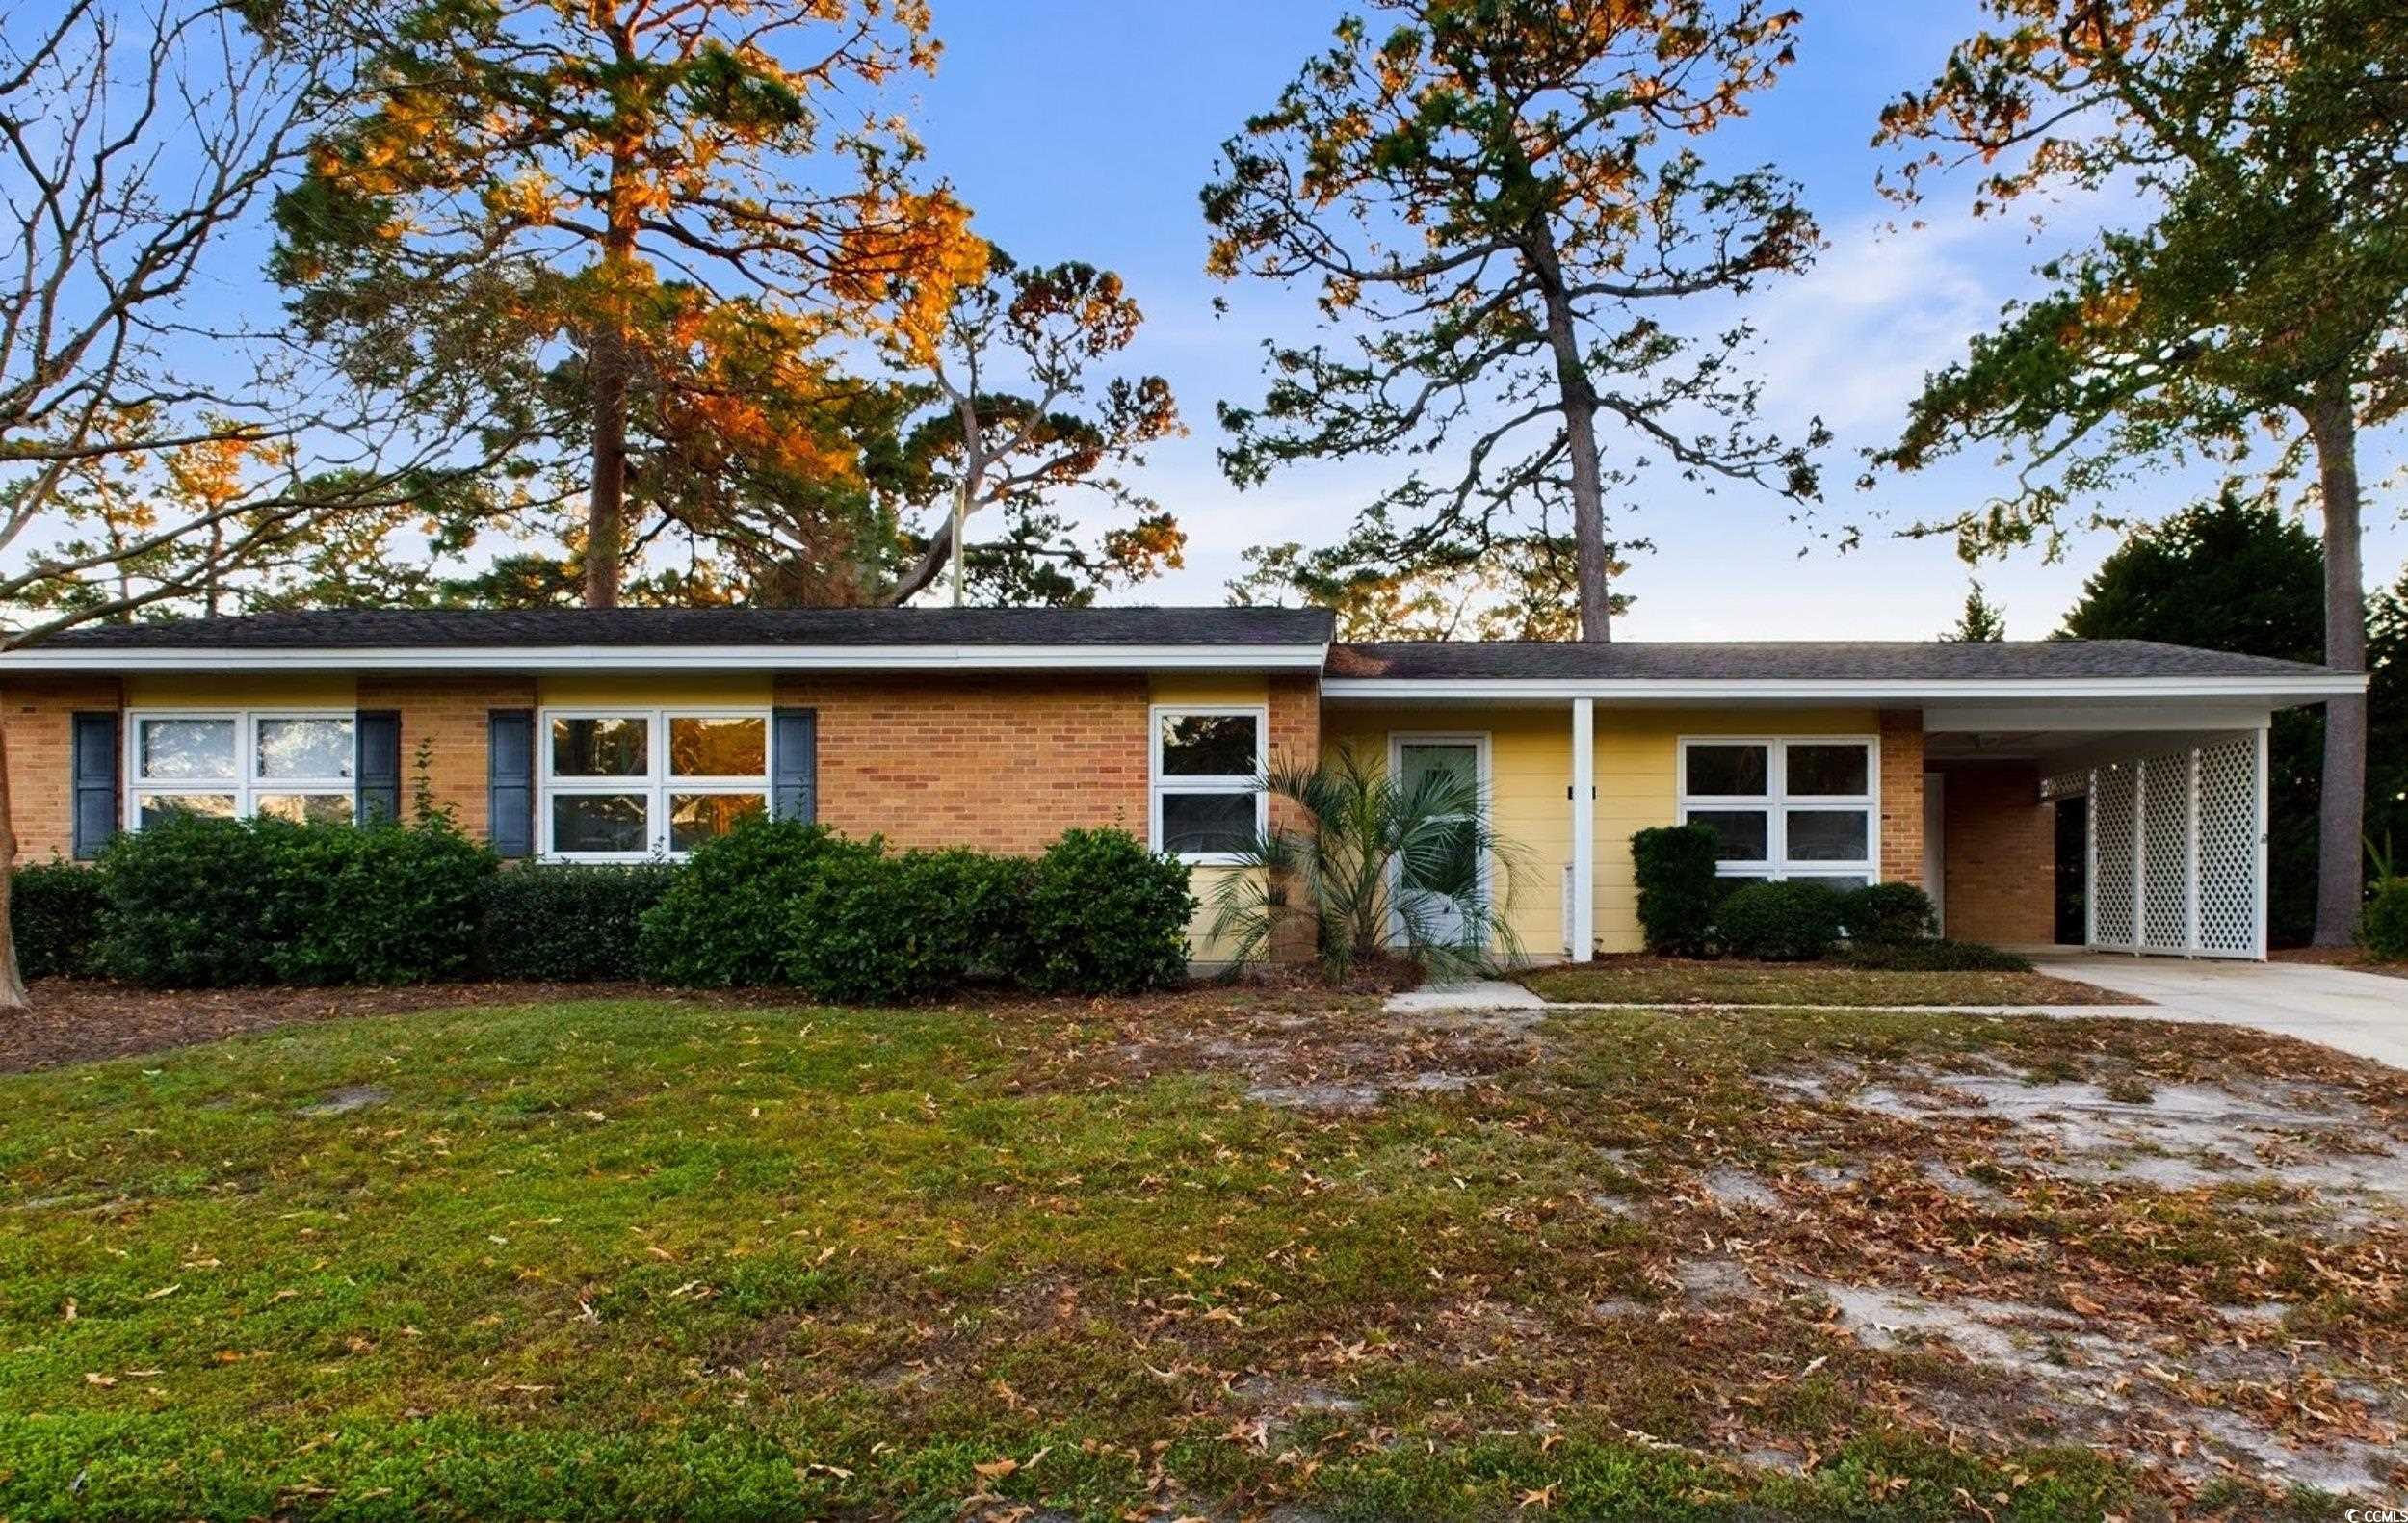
{"x": 1584, "y": 915}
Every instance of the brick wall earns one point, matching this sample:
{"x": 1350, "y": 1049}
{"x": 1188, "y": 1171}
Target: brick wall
{"x": 447, "y": 715}
{"x": 1999, "y": 854}
{"x": 1295, "y": 736}
{"x": 1004, "y": 763}
{"x": 1902, "y": 796}
{"x": 41, "y": 763}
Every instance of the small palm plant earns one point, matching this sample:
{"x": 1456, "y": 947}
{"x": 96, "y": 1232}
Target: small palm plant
{"x": 1374, "y": 864}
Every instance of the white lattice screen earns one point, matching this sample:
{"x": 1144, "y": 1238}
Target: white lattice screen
{"x": 2176, "y": 863}
{"x": 2165, "y": 854}
{"x": 2231, "y": 895}
{"x": 2114, "y": 836}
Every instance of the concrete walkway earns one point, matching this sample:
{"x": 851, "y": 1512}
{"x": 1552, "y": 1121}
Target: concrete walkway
{"x": 2362, "y": 1012}
{"x": 2365, "y": 1013}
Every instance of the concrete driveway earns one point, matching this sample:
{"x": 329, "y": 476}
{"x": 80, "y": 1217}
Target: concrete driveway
{"x": 2362, "y": 1012}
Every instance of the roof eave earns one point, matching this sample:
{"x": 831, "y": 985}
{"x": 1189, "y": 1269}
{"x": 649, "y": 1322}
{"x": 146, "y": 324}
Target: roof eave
{"x": 666, "y": 658}
{"x": 2283, "y": 688}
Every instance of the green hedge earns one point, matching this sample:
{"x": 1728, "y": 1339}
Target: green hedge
{"x": 567, "y": 923}
{"x": 55, "y": 910}
{"x": 1790, "y": 921}
{"x": 1106, "y": 916}
{"x": 1887, "y": 915}
{"x": 2385, "y": 930}
{"x": 197, "y": 904}
{"x": 1932, "y": 956}
{"x": 1674, "y": 868}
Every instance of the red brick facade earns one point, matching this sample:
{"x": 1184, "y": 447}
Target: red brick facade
{"x": 1902, "y": 796}
{"x": 41, "y": 765}
{"x": 1998, "y": 850}
{"x": 443, "y": 721}
{"x": 1001, "y": 763}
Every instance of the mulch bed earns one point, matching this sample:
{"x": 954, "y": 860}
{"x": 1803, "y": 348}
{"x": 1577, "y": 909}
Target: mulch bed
{"x": 2354, "y": 958}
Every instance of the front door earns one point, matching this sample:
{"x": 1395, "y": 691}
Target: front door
{"x": 2073, "y": 871}
{"x": 1435, "y": 889}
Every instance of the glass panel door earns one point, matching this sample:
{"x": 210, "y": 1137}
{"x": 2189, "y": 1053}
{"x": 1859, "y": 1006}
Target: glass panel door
{"x": 1439, "y": 877}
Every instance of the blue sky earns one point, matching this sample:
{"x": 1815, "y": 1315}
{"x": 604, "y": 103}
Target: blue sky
{"x": 1083, "y": 128}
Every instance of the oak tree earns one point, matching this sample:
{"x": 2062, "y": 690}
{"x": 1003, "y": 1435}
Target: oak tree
{"x": 1505, "y": 210}
{"x": 2255, "y": 301}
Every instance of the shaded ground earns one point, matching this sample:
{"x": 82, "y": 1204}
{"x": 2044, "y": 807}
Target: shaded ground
{"x": 2353, "y": 958}
{"x": 1639, "y": 979}
{"x": 1227, "y": 1254}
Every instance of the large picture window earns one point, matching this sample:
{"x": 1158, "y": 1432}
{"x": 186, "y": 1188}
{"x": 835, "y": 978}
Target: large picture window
{"x": 233, "y": 763}
{"x": 625, "y": 784}
{"x": 1802, "y": 807}
{"x": 1208, "y": 801}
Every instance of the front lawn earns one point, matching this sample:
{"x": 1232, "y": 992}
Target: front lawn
{"x": 1646, "y": 980}
{"x": 1213, "y": 1254}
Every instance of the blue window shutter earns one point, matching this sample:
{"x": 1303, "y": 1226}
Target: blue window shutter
{"x": 795, "y": 753}
{"x": 377, "y": 777}
{"x": 95, "y": 782}
{"x": 511, "y": 781}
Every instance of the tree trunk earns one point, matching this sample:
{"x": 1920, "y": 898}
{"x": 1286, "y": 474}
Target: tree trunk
{"x": 606, "y": 500}
{"x": 2340, "y": 812}
{"x": 924, "y": 570}
{"x": 12, "y": 994}
{"x": 1580, "y": 427}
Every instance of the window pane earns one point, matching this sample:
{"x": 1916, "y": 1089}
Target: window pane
{"x": 177, "y": 749}
{"x": 158, "y": 806}
{"x": 1733, "y": 771}
{"x": 1839, "y": 883}
{"x": 599, "y": 748}
{"x": 1829, "y": 835}
{"x": 1207, "y": 822}
{"x": 306, "y": 748}
{"x": 1828, "y": 770}
{"x": 1457, "y": 765}
{"x": 699, "y": 747}
{"x": 694, "y": 817}
{"x": 305, "y": 808}
{"x": 1740, "y": 834}
{"x": 598, "y": 821}
{"x": 1208, "y": 745}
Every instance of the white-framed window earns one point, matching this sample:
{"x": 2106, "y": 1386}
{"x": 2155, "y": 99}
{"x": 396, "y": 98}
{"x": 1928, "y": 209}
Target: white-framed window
{"x": 621, "y": 786}
{"x": 1788, "y": 806}
{"x": 294, "y": 764}
{"x": 1208, "y": 765}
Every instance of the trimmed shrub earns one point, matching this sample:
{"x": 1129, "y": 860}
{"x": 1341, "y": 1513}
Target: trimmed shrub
{"x": 202, "y": 904}
{"x": 1790, "y": 921}
{"x": 2385, "y": 930}
{"x": 1674, "y": 868}
{"x": 989, "y": 895}
{"x": 724, "y": 919}
{"x": 1886, "y": 914}
{"x": 878, "y": 929}
{"x": 1106, "y": 916}
{"x": 55, "y": 911}
{"x": 1932, "y": 956}
{"x": 567, "y": 922}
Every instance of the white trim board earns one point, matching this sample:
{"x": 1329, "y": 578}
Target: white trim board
{"x": 1677, "y": 690}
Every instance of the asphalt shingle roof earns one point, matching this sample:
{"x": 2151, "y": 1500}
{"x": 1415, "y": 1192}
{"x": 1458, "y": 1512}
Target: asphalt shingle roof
{"x": 359, "y": 629}
{"x": 1802, "y": 661}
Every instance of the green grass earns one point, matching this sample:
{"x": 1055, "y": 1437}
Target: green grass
{"x": 654, "y": 1260}
{"x": 1663, "y": 980}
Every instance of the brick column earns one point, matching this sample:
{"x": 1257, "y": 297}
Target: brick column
{"x": 42, "y": 758}
{"x": 1296, "y": 734}
{"x": 1902, "y": 796}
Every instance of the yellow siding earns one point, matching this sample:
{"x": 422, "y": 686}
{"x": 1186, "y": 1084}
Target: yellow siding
{"x": 1208, "y": 688}
{"x": 304, "y": 690}
{"x": 1531, "y": 771}
{"x": 710, "y": 690}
